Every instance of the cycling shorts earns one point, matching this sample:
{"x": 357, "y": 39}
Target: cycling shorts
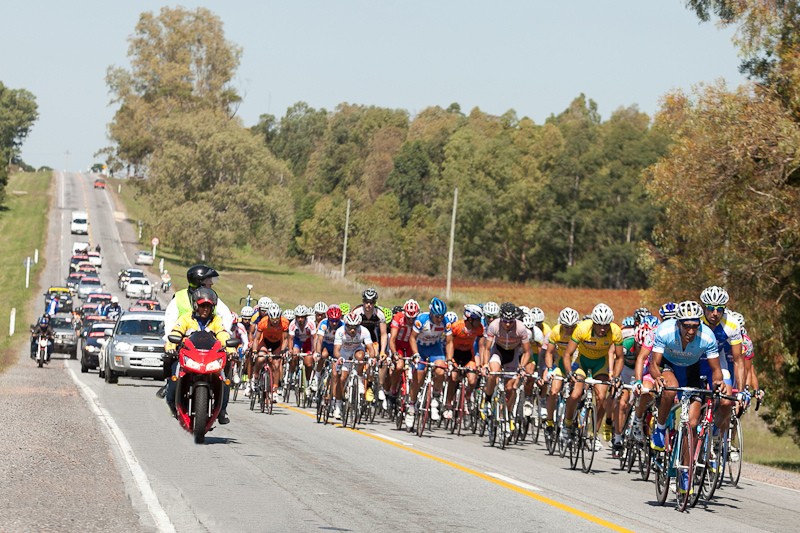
{"x": 508, "y": 359}
{"x": 594, "y": 367}
{"x": 329, "y": 347}
{"x": 430, "y": 353}
{"x": 303, "y": 346}
{"x": 270, "y": 346}
{"x": 705, "y": 370}
{"x": 463, "y": 357}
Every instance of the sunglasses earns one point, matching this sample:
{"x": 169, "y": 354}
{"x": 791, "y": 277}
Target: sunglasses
{"x": 718, "y": 308}
{"x": 688, "y": 326}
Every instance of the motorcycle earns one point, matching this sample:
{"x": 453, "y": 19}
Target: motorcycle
{"x": 200, "y": 380}
{"x": 41, "y": 350}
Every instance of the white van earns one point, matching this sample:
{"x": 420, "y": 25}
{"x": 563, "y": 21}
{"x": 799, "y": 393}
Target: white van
{"x": 80, "y": 223}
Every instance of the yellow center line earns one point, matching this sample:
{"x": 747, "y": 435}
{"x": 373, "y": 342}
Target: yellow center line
{"x": 470, "y": 471}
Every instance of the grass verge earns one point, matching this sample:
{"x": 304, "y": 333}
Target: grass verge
{"x": 23, "y": 227}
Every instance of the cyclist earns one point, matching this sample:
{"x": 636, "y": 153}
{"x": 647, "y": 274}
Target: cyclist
{"x": 302, "y": 332}
{"x": 261, "y": 308}
{"x": 678, "y": 346}
{"x": 245, "y": 333}
{"x": 352, "y": 342}
{"x": 588, "y": 353}
{"x": 431, "y": 340}
{"x": 272, "y": 337}
{"x": 667, "y": 310}
{"x": 202, "y": 318}
{"x": 465, "y": 333}
{"x": 643, "y": 344}
{"x": 507, "y": 348}
{"x": 557, "y": 342}
{"x": 326, "y": 334}
{"x": 748, "y": 354}
{"x": 373, "y": 319}
{"x": 537, "y": 347}
{"x": 401, "y": 327}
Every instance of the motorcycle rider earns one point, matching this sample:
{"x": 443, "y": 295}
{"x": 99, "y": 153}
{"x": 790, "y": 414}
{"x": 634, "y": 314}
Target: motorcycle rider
{"x": 112, "y": 310}
{"x": 45, "y": 329}
{"x": 202, "y": 318}
{"x": 166, "y": 281}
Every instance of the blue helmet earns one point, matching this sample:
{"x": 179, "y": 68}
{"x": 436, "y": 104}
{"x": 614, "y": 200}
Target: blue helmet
{"x": 668, "y": 310}
{"x": 43, "y": 321}
{"x": 628, "y": 322}
{"x": 651, "y": 321}
{"x": 438, "y": 307}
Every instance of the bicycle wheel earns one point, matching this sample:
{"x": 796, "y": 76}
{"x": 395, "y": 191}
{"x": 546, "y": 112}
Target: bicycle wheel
{"x": 645, "y": 461}
{"x": 455, "y": 421}
{"x": 573, "y": 443}
{"x": 588, "y": 438}
{"x": 253, "y": 393}
{"x": 684, "y": 466}
{"x": 287, "y": 384}
{"x": 424, "y": 411}
{"x": 476, "y": 420}
{"x": 355, "y": 399}
{"x": 703, "y": 481}
{"x": 234, "y": 386}
{"x": 536, "y": 421}
{"x": 735, "y": 451}
{"x": 266, "y": 392}
{"x": 300, "y": 390}
{"x": 661, "y": 466}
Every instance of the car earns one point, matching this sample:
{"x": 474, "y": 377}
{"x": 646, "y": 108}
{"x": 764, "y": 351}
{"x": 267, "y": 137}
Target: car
{"x": 89, "y": 285}
{"x": 139, "y": 288}
{"x": 75, "y": 259}
{"x": 80, "y": 247}
{"x": 86, "y": 266}
{"x": 79, "y": 223}
{"x": 64, "y": 338}
{"x": 64, "y": 296}
{"x": 99, "y": 297}
{"x": 95, "y": 258}
{"x": 135, "y": 347}
{"x": 99, "y": 183}
{"x": 125, "y": 275}
{"x": 152, "y": 305}
{"x": 73, "y": 279}
{"x": 143, "y": 257}
{"x": 87, "y": 320}
{"x": 92, "y": 344}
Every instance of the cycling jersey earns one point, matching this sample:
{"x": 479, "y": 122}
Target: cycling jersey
{"x": 240, "y": 332}
{"x": 273, "y": 333}
{"x": 299, "y": 334}
{"x": 372, "y": 323}
{"x": 592, "y": 347}
{"x": 560, "y": 339}
{"x": 430, "y": 334}
{"x": 668, "y": 342}
{"x": 464, "y": 337}
{"x": 728, "y": 334}
{"x": 403, "y": 327}
{"x": 350, "y": 344}
{"x": 747, "y": 345}
{"x": 508, "y": 339}
{"x": 327, "y": 332}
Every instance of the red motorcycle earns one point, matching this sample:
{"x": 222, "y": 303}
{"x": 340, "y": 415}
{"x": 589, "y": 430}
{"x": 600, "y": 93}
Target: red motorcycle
{"x": 200, "y": 380}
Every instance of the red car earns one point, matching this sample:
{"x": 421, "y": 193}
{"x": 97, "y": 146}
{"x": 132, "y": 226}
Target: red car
{"x": 99, "y": 183}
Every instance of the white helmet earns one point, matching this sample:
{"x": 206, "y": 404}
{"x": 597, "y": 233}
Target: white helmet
{"x": 491, "y": 309}
{"x": 352, "y": 318}
{"x": 538, "y": 314}
{"x": 247, "y": 312}
{"x": 263, "y": 302}
{"x": 114, "y": 300}
{"x": 525, "y": 310}
{"x": 528, "y": 321}
{"x": 288, "y": 315}
{"x": 301, "y": 310}
{"x": 568, "y": 317}
{"x": 450, "y": 317}
{"x": 736, "y": 317}
{"x": 714, "y": 296}
{"x": 273, "y": 310}
{"x": 689, "y": 310}
{"x": 320, "y": 307}
{"x": 602, "y": 315}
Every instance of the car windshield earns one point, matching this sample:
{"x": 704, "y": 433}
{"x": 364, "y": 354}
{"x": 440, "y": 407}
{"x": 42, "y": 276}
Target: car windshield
{"x": 135, "y": 274}
{"x": 60, "y": 323}
{"x": 141, "y": 327}
{"x": 90, "y": 281}
{"x": 139, "y": 281}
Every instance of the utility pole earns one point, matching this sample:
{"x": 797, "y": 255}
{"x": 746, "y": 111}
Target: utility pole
{"x": 452, "y": 241}
{"x": 346, "y": 227}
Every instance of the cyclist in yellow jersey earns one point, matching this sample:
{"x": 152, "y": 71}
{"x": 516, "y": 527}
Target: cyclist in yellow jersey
{"x": 588, "y": 351}
{"x": 557, "y": 342}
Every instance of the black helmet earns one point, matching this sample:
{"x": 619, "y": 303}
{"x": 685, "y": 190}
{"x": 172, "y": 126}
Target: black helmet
{"x": 369, "y": 295}
{"x": 508, "y": 311}
{"x": 204, "y": 295}
{"x": 197, "y": 274}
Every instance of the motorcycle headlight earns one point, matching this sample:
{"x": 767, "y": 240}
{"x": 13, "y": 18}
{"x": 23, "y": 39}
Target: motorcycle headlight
{"x": 213, "y": 366}
{"x": 92, "y": 349}
{"x": 191, "y": 363}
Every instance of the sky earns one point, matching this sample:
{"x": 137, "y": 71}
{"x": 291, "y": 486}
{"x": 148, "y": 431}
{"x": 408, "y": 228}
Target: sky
{"x": 532, "y": 56}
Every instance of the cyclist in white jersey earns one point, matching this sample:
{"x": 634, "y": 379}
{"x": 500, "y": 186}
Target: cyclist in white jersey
{"x": 352, "y": 342}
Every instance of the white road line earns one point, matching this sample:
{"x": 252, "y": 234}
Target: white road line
{"x": 392, "y": 439}
{"x": 513, "y": 481}
{"x": 149, "y": 497}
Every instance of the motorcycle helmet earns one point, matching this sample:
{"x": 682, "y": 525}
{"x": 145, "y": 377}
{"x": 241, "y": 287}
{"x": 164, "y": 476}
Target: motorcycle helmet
{"x": 202, "y": 296}
{"x": 197, "y": 274}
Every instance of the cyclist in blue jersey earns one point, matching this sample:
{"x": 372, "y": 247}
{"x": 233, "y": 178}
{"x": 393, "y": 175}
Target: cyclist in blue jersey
{"x": 431, "y": 340}
{"x": 678, "y": 345}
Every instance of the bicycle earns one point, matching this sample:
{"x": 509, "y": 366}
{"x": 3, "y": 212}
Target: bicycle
{"x": 403, "y": 401}
{"x": 522, "y": 422}
{"x": 460, "y": 403}
{"x": 422, "y": 416}
{"x": 553, "y": 439}
{"x": 586, "y": 429}
{"x": 324, "y": 396}
{"x": 235, "y": 371}
{"x": 707, "y": 451}
{"x": 262, "y": 386}
{"x": 499, "y": 421}
{"x": 637, "y": 451}
{"x": 246, "y": 300}
{"x": 353, "y": 395}
{"x": 302, "y": 398}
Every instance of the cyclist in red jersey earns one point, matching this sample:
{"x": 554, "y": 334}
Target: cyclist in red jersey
{"x": 400, "y": 328}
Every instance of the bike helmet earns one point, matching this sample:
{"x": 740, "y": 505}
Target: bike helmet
{"x": 640, "y": 313}
{"x": 714, "y": 296}
{"x": 537, "y": 314}
{"x": 345, "y": 307}
{"x": 288, "y": 314}
{"x": 736, "y": 317}
{"x": 508, "y": 311}
{"x": 667, "y": 310}
{"x": 197, "y": 274}
{"x": 472, "y": 311}
{"x": 334, "y": 313}
{"x": 451, "y": 317}
{"x": 628, "y": 322}
{"x": 651, "y": 321}
{"x": 524, "y": 309}
{"x": 437, "y": 307}
{"x": 353, "y": 319}
{"x": 528, "y": 321}
{"x": 642, "y": 334}
{"x": 602, "y": 315}
{"x": 568, "y": 317}
{"x": 204, "y": 295}
{"x": 320, "y": 308}
{"x": 301, "y": 311}
{"x": 397, "y": 309}
{"x": 369, "y": 295}
{"x": 689, "y": 310}
{"x": 247, "y": 312}
{"x": 263, "y": 302}
{"x": 273, "y": 310}
{"x": 411, "y": 308}
{"x": 491, "y": 309}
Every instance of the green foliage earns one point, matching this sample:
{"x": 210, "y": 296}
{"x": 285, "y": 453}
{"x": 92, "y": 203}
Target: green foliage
{"x": 18, "y": 112}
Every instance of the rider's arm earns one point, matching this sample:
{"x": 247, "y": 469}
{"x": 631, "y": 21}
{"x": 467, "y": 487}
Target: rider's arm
{"x": 525, "y": 358}
{"x": 738, "y": 366}
{"x": 382, "y": 327}
{"x": 412, "y": 343}
{"x": 644, "y": 351}
{"x": 392, "y": 340}
{"x": 448, "y": 347}
{"x": 619, "y": 361}
{"x": 570, "y": 354}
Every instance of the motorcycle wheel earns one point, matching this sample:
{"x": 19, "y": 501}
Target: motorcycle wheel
{"x": 200, "y": 414}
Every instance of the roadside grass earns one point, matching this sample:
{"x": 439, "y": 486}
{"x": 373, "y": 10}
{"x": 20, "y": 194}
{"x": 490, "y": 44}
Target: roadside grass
{"x": 292, "y": 284}
{"x": 23, "y": 227}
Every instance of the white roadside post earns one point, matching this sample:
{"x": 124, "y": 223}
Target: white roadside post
{"x": 12, "y": 321}
{"x": 36, "y": 256}
{"x": 27, "y": 263}
{"x": 161, "y": 266}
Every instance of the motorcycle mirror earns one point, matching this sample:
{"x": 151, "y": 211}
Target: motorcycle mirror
{"x": 233, "y": 343}
{"x": 174, "y": 339}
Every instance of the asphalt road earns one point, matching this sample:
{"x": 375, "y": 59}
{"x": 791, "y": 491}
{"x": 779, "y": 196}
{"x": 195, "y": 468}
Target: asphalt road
{"x": 284, "y": 472}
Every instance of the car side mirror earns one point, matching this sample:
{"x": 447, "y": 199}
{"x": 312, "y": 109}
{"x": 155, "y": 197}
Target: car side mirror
{"x": 108, "y": 332}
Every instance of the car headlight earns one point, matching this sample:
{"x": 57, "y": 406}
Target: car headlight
{"x": 213, "y": 366}
{"x": 123, "y": 346}
{"x": 92, "y": 349}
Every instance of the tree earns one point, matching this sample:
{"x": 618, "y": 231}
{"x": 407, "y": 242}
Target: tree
{"x": 18, "y": 112}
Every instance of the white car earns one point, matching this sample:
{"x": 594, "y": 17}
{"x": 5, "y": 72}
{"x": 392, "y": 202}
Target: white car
{"x": 143, "y": 257}
{"x": 95, "y": 258}
{"x": 139, "y": 288}
{"x": 80, "y": 247}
